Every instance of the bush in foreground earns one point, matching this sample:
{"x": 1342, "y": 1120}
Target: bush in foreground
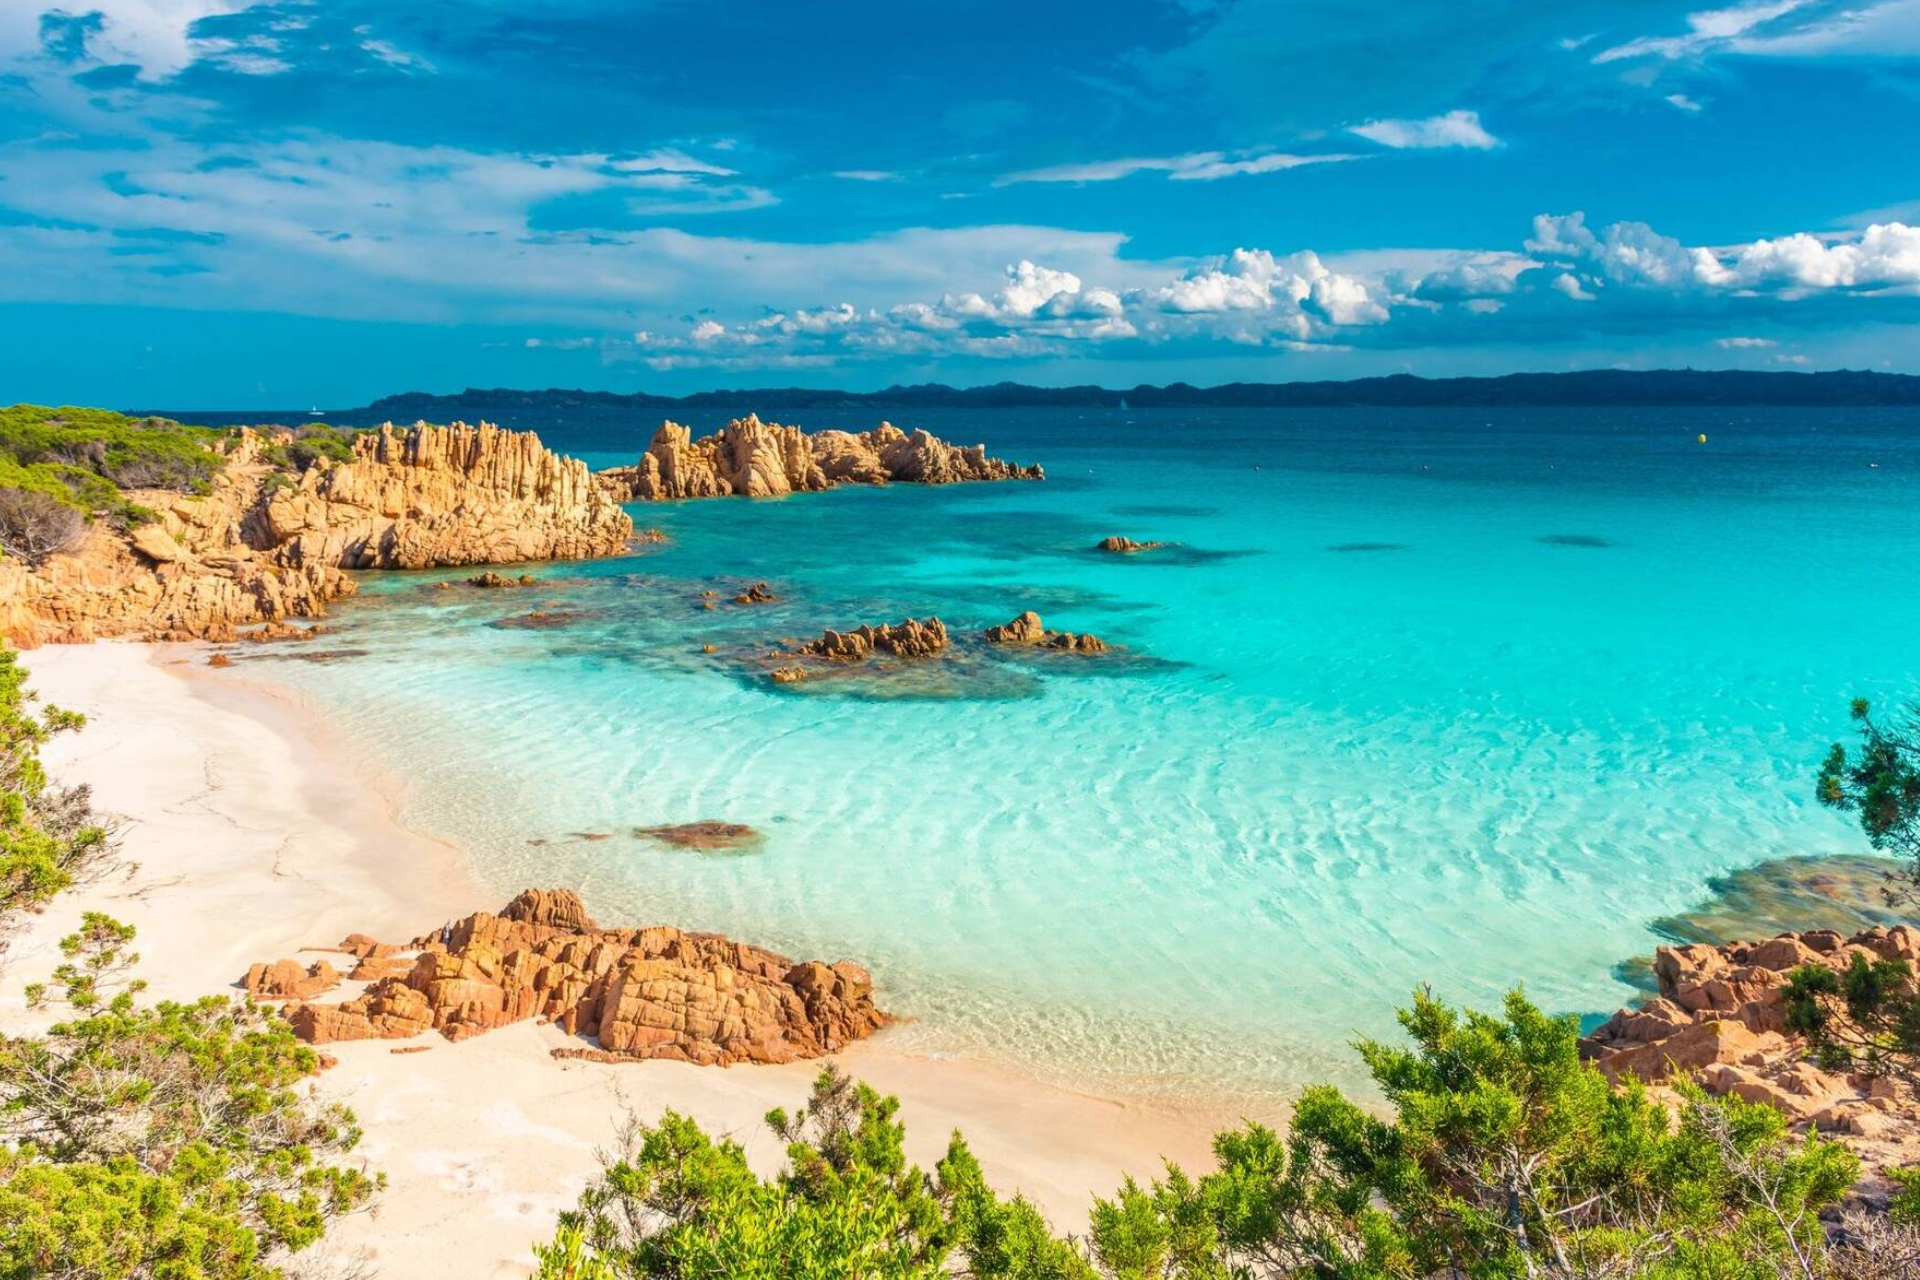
{"x": 163, "y": 1141}
{"x": 1508, "y": 1157}
{"x": 1879, "y": 780}
{"x": 49, "y": 835}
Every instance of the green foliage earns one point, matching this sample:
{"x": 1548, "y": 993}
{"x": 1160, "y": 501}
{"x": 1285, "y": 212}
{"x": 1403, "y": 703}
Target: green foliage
{"x": 48, "y": 835}
{"x": 313, "y": 443}
{"x": 1905, "y": 1206}
{"x": 1880, "y": 781}
{"x": 127, "y": 453}
{"x": 161, "y": 1140}
{"x": 1507, "y": 1158}
{"x": 1866, "y": 1019}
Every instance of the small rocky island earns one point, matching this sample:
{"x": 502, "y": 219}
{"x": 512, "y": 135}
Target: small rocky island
{"x": 755, "y": 459}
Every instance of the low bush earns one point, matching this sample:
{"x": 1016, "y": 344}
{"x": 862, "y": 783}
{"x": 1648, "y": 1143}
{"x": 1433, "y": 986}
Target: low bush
{"x": 49, "y": 835}
{"x": 161, "y": 1141}
{"x": 1507, "y": 1157}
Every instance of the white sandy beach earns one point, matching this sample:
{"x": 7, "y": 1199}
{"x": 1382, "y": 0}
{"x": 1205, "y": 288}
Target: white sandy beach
{"x": 253, "y": 831}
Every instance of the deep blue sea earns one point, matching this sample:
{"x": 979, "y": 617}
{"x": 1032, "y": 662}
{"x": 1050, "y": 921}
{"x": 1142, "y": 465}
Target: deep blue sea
{"x": 1461, "y": 697}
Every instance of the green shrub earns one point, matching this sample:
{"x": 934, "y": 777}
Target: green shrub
{"x": 48, "y": 835}
{"x": 1880, "y": 782}
{"x": 1507, "y": 1157}
{"x": 162, "y": 1141}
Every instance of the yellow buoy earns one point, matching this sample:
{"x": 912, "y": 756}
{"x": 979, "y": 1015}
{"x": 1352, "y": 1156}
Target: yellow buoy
{"x": 1703, "y": 437}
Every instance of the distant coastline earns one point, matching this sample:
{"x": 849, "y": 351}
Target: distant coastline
{"x": 1592, "y": 387}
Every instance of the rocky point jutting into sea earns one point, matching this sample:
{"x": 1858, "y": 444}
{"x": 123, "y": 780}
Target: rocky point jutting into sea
{"x": 266, "y": 542}
{"x": 263, "y": 544}
{"x": 751, "y": 458}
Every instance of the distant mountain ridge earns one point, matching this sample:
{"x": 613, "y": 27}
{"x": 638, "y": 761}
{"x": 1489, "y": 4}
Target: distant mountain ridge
{"x": 1595, "y": 387}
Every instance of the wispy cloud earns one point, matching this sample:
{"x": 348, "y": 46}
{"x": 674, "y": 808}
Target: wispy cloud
{"x": 867, "y": 175}
{"x": 1707, "y": 31}
{"x": 1454, "y": 129}
{"x": 1195, "y": 166}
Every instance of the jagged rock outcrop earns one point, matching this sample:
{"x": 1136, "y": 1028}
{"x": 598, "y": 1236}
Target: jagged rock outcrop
{"x": 1027, "y": 629}
{"x": 641, "y": 993}
{"x": 751, "y": 458}
{"x": 1119, "y": 545}
{"x": 908, "y": 639}
{"x": 424, "y": 496}
{"x": 290, "y": 980}
{"x": 261, "y": 546}
{"x": 1720, "y": 1019}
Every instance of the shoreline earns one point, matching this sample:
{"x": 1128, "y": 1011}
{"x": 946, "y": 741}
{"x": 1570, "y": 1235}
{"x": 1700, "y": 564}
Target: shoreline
{"x": 254, "y": 829}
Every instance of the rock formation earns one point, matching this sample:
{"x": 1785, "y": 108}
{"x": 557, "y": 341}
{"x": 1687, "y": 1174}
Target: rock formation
{"x": 289, "y": 980}
{"x": 1125, "y": 546}
{"x": 757, "y": 593}
{"x": 1720, "y": 1019}
{"x": 641, "y": 993}
{"x": 261, "y": 545}
{"x": 1027, "y": 629}
{"x": 909, "y": 639}
{"x": 751, "y": 458}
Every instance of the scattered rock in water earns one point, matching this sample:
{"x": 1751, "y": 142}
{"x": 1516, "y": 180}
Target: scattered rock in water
{"x": 270, "y": 632}
{"x": 787, "y": 675}
{"x": 1027, "y": 629}
{"x": 591, "y": 837}
{"x": 544, "y": 619}
{"x": 315, "y": 655}
{"x": 1351, "y": 548}
{"x": 651, "y": 536}
{"x": 491, "y": 581}
{"x": 1573, "y": 540}
{"x": 654, "y": 993}
{"x": 219, "y": 660}
{"x": 908, "y": 639}
{"x": 708, "y": 835}
{"x": 1125, "y": 546}
{"x": 757, "y": 593}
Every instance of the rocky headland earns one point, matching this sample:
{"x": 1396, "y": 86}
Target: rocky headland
{"x": 265, "y": 543}
{"x": 1720, "y": 1020}
{"x": 639, "y": 994}
{"x": 755, "y": 459}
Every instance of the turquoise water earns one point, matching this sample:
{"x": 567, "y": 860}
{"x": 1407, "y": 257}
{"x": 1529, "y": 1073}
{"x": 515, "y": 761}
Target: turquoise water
{"x": 1457, "y": 697}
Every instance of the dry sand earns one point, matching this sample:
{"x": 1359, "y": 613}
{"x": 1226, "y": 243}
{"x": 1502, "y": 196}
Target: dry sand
{"x": 253, "y": 831}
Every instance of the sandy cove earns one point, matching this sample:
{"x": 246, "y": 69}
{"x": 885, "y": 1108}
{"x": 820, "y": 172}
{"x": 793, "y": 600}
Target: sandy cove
{"x": 253, "y": 830}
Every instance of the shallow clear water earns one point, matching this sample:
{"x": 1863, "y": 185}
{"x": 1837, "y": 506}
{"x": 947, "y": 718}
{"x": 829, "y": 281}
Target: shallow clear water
{"x": 1460, "y": 697}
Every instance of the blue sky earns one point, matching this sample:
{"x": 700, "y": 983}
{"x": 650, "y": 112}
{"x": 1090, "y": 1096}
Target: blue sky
{"x": 223, "y": 203}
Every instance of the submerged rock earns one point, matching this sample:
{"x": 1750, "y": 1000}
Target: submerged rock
{"x": 544, "y": 619}
{"x": 1027, "y": 629}
{"x": 707, "y": 834}
{"x": 641, "y": 993}
{"x": 1126, "y": 546}
{"x": 751, "y": 458}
